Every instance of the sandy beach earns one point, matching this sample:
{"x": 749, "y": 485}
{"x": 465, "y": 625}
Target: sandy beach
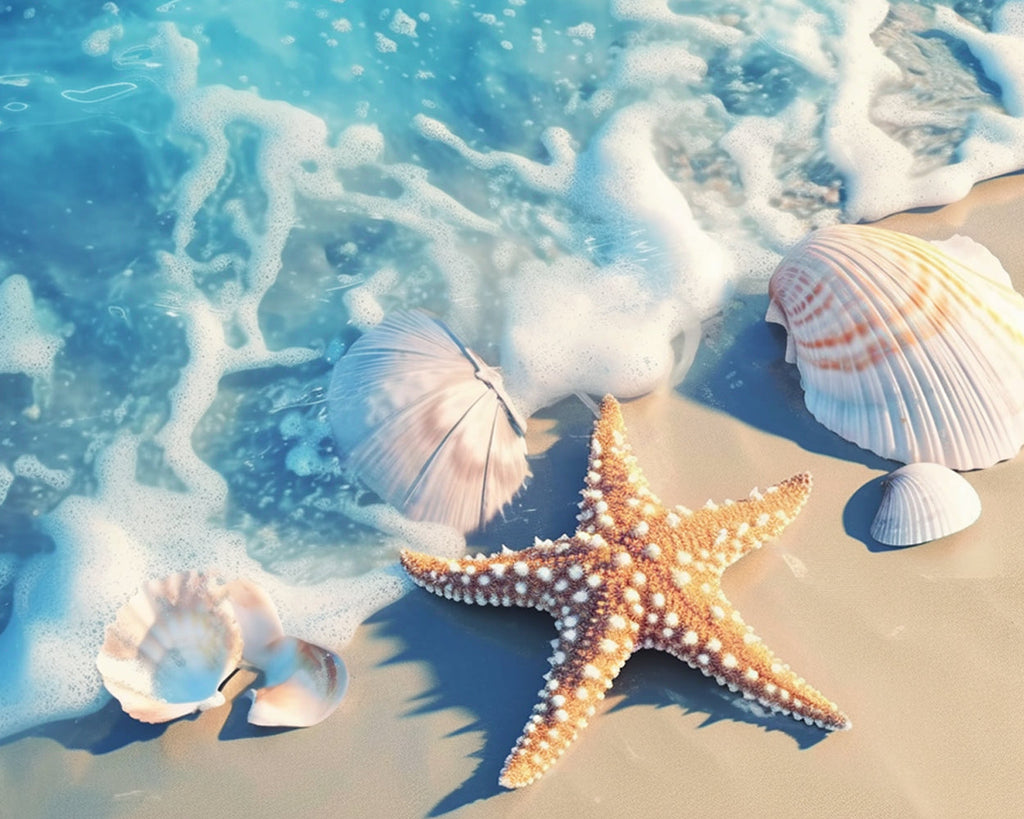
{"x": 920, "y": 645}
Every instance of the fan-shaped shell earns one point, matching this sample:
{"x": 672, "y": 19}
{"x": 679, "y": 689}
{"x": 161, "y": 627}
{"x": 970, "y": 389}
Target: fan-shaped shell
{"x": 426, "y": 423}
{"x": 258, "y": 619}
{"x": 305, "y": 683}
{"x": 171, "y": 647}
{"x": 902, "y": 348}
{"x": 923, "y": 502}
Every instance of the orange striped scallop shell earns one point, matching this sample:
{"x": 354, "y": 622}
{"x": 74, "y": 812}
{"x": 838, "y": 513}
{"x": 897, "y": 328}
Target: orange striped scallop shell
{"x": 902, "y": 347}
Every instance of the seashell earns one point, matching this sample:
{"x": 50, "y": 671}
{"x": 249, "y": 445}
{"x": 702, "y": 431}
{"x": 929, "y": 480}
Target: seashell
{"x": 902, "y": 347}
{"x": 426, "y": 423}
{"x": 923, "y": 502}
{"x": 305, "y": 683}
{"x": 171, "y": 647}
{"x": 258, "y": 619}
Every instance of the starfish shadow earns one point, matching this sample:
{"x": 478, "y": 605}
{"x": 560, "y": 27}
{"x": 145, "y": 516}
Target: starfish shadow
{"x": 659, "y": 679}
{"x": 495, "y": 665}
{"x": 493, "y": 668}
{"x": 751, "y": 381}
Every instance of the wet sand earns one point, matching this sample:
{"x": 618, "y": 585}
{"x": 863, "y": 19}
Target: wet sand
{"x": 920, "y": 646}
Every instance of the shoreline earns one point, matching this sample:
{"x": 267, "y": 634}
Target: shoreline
{"x": 902, "y": 639}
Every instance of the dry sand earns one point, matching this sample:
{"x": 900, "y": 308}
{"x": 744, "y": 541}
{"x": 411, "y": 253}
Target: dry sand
{"x": 920, "y": 646}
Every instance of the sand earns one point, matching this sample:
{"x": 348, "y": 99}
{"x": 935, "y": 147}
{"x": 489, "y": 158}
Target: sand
{"x": 920, "y": 646}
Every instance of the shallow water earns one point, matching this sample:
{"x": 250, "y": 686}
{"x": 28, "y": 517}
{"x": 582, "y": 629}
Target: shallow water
{"x": 204, "y": 205}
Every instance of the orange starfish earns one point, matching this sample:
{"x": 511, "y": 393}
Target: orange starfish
{"x": 634, "y": 575}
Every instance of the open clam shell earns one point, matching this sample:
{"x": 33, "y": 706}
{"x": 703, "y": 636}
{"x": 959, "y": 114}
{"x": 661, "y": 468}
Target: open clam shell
{"x": 923, "y": 502}
{"x": 258, "y": 619}
{"x": 426, "y": 424}
{"x": 902, "y": 347}
{"x": 305, "y": 683}
{"x": 171, "y": 647}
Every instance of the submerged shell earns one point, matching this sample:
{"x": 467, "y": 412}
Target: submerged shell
{"x": 426, "y": 424}
{"x": 902, "y": 347}
{"x": 171, "y": 647}
{"x": 305, "y": 683}
{"x": 923, "y": 502}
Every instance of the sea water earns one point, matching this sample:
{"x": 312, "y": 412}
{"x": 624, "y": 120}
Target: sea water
{"x": 204, "y": 203}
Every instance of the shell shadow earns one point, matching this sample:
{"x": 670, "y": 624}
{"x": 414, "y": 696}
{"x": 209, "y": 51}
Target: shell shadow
{"x": 751, "y": 381}
{"x": 108, "y": 729}
{"x": 237, "y": 725}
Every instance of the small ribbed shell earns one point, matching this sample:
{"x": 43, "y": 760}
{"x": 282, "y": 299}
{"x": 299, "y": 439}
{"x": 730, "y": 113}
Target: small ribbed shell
{"x": 923, "y": 502}
{"x": 902, "y": 347}
{"x": 171, "y": 647}
{"x": 426, "y": 424}
{"x": 304, "y": 684}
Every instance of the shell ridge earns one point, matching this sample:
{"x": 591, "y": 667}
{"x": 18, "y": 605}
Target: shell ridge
{"x": 902, "y": 348}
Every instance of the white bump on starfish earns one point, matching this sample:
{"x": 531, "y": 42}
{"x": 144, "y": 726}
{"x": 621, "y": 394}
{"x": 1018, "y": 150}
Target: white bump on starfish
{"x": 640, "y": 529}
{"x": 652, "y": 551}
{"x": 622, "y": 559}
{"x": 680, "y": 578}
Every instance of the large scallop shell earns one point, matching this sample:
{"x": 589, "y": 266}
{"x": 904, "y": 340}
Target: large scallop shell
{"x": 426, "y": 424}
{"x": 902, "y": 347}
{"x": 305, "y": 683}
{"x": 171, "y": 647}
{"x": 923, "y": 502}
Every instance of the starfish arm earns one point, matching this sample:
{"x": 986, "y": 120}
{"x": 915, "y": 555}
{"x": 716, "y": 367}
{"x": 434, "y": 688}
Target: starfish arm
{"x": 583, "y": 666}
{"x": 724, "y": 647}
{"x": 531, "y": 578}
{"x": 723, "y": 533}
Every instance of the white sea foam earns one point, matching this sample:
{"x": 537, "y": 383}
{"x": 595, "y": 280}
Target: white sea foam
{"x": 26, "y": 345}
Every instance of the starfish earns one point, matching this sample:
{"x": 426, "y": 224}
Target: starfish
{"x": 634, "y": 575}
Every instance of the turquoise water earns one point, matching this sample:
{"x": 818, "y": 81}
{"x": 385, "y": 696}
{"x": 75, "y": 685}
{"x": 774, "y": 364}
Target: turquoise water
{"x": 205, "y": 203}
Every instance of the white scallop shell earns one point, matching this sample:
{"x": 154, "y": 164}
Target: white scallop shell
{"x": 257, "y": 617}
{"x": 923, "y": 502}
{"x": 902, "y": 347}
{"x": 426, "y": 424}
{"x": 171, "y": 647}
{"x": 304, "y": 684}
